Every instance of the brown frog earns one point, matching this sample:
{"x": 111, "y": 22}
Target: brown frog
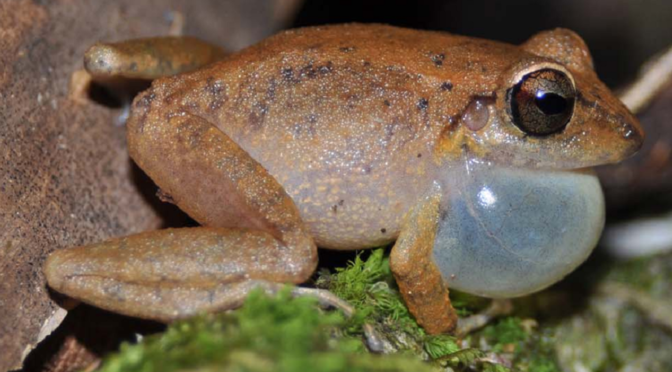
{"x": 469, "y": 153}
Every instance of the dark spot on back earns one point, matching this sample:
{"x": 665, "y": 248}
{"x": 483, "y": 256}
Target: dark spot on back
{"x": 270, "y": 92}
{"x": 215, "y": 104}
{"x": 386, "y": 103}
{"x": 389, "y": 130}
{"x": 215, "y": 89}
{"x": 308, "y": 71}
{"x": 419, "y": 155}
{"x": 326, "y": 68}
{"x": 423, "y": 103}
{"x": 383, "y": 230}
{"x": 305, "y": 128}
{"x": 347, "y": 49}
{"x": 288, "y": 75}
{"x": 438, "y": 59}
{"x": 195, "y": 134}
{"x": 366, "y": 63}
{"x": 341, "y": 202}
{"x": 446, "y": 86}
{"x": 257, "y": 116}
{"x": 145, "y": 101}
{"x": 142, "y": 106}
{"x": 352, "y": 99}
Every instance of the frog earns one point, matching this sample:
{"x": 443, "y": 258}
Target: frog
{"x": 472, "y": 157}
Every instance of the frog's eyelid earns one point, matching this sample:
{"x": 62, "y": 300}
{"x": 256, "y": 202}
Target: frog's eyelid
{"x": 520, "y": 74}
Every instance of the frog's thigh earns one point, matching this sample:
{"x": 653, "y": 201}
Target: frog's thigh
{"x": 149, "y": 58}
{"x": 417, "y": 275}
{"x": 176, "y": 273}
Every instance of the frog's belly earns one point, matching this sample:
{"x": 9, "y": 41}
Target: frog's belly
{"x": 350, "y": 211}
{"x": 352, "y": 193}
{"x": 506, "y": 233}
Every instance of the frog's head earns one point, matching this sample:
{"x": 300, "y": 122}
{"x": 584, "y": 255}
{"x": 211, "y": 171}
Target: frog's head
{"x": 552, "y": 111}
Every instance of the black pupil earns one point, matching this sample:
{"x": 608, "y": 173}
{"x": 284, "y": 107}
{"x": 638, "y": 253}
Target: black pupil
{"x": 550, "y": 103}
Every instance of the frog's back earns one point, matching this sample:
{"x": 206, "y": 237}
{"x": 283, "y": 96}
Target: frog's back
{"x": 345, "y": 117}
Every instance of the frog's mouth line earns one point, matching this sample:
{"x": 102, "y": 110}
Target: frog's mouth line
{"x": 509, "y": 158}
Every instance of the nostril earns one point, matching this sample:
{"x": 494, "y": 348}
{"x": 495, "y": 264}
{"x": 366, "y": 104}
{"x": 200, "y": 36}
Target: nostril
{"x": 634, "y": 137}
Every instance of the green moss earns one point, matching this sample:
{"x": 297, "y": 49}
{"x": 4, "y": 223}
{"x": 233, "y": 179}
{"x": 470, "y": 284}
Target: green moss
{"x": 370, "y": 287}
{"x": 440, "y": 346}
{"x": 538, "y": 353}
{"x": 266, "y": 334}
{"x": 505, "y": 333}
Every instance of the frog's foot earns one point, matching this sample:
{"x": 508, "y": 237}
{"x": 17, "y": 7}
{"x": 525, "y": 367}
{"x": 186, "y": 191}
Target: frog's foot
{"x": 418, "y": 277}
{"x": 149, "y": 58}
{"x": 255, "y": 236}
{"x": 498, "y": 308}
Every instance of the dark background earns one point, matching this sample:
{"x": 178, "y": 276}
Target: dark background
{"x": 621, "y": 34}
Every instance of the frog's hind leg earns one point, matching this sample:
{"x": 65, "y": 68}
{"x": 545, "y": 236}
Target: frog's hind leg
{"x": 149, "y": 58}
{"x": 175, "y": 273}
{"x": 418, "y": 277}
{"x": 255, "y": 237}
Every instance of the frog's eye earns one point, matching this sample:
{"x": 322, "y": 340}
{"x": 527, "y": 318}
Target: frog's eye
{"x": 542, "y": 102}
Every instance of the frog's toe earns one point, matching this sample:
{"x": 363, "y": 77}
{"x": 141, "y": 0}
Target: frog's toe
{"x": 59, "y": 268}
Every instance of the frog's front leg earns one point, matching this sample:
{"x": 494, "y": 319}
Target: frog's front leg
{"x": 149, "y": 58}
{"x": 418, "y": 277}
{"x": 255, "y": 237}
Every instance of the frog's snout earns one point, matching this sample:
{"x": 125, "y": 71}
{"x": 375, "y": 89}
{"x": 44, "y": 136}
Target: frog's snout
{"x": 633, "y": 135}
{"x": 625, "y": 136}
{"x": 615, "y": 133}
